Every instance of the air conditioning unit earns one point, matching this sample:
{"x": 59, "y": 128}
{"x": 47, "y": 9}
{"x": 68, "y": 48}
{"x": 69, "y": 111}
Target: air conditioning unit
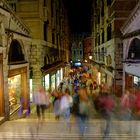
{"x": 45, "y": 13}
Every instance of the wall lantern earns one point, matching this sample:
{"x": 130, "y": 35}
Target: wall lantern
{"x": 90, "y": 57}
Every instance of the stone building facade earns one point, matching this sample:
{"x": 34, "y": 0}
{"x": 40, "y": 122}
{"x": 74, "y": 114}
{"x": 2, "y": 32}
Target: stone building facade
{"x": 87, "y": 49}
{"x": 47, "y": 21}
{"x": 131, "y": 50}
{"x": 77, "y": 48}
{"x": 15, "y": 44}
{"x": 108, "y": 17}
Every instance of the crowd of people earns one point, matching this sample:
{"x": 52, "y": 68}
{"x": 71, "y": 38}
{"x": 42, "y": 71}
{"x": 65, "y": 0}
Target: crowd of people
{"x": 83, "y": 98}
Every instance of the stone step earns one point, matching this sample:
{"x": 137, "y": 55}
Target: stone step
{"x": 62, "y": 136}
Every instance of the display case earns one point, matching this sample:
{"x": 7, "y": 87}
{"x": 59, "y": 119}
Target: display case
{"x": 14, "y": 89}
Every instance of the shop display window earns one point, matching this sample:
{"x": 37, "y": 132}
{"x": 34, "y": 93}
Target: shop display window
{"x": 47, "y": 81}
{"x": 137, "y": 81}
{"x": 58, "y": 78}
{"x": 61, "y": 74}
{"x": 53, "y": 82}
{"x": 14, "y": 89}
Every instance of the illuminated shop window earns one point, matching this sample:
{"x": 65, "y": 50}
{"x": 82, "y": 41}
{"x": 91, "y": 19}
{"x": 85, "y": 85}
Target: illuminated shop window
{"x": 14, "y": 90}
{"x": 137, "y": 81}
{"x": 58, "y": 78}
{"x": 53, "y": 82}
{"x": 47, "y": 81}
{"x": 61, "y": 74}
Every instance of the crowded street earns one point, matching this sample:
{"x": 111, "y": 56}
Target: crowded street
{"x": 105, "y": 120}
{"x": 69, "y": 69}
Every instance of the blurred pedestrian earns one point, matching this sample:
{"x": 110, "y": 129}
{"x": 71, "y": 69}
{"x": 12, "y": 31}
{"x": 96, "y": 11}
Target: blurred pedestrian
{"x": 95, "y": 90}
{"x": 65, "y": 105}
{"x": 40, "y": 99}
{"x": 126, "y": 108}
{"x": 137, "y": 104}
{"x": 106, "y": 106}
{"x": 56, "y": 103}
{"x": 83, "y": 111}
{"x": 126, "y": 105}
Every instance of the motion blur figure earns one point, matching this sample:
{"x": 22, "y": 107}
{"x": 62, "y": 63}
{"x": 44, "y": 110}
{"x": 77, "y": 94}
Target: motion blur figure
{"x": 105, "y": 107}
{"x": 83, "y": 111}
{"x": 40, "y": 99}
{"x": 65, "y": 104}
{"x": 56, "y": 103}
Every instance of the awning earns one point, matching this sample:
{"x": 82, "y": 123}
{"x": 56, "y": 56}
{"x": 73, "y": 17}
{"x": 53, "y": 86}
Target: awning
{"x": 133, "y": 69}
{"x": 52, "y": 67}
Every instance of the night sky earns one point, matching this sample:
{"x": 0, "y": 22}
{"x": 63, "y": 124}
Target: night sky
{"x": 79, "y": 13}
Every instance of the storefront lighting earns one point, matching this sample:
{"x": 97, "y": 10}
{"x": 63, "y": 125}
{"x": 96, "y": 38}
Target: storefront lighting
{"x": 90, "y": 57}
{"x": 99, "y": 78}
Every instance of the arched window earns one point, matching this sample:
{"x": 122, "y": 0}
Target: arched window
{"x": 134, "y": 49}
{"x": 15, "y": 54}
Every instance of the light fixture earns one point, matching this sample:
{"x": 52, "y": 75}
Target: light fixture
{"x": 90, "y": 57}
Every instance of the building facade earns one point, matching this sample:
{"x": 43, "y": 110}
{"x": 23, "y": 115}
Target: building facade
{"x": 108, "y": 17}
{"x": 87, "y": 49}
{"x": 131, "y": 50}
{"x": 15, "y": 44}
{"x": 47, "y": 21}
{"x": 77, "y": 48}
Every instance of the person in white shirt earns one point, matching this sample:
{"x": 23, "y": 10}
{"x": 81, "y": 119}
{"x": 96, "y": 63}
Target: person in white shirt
{"x": 65, "y": 104}
{"x": 40, "y": 99}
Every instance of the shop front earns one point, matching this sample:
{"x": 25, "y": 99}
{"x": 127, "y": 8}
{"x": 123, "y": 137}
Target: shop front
{"x": 132, "y": 81}
{"x": 132, "y": 75}
{"x": 17, "y": 89}
{"x": 53, "y": 79}
{"x": 52, "y": 75}
{"x": 17, "y": 78}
